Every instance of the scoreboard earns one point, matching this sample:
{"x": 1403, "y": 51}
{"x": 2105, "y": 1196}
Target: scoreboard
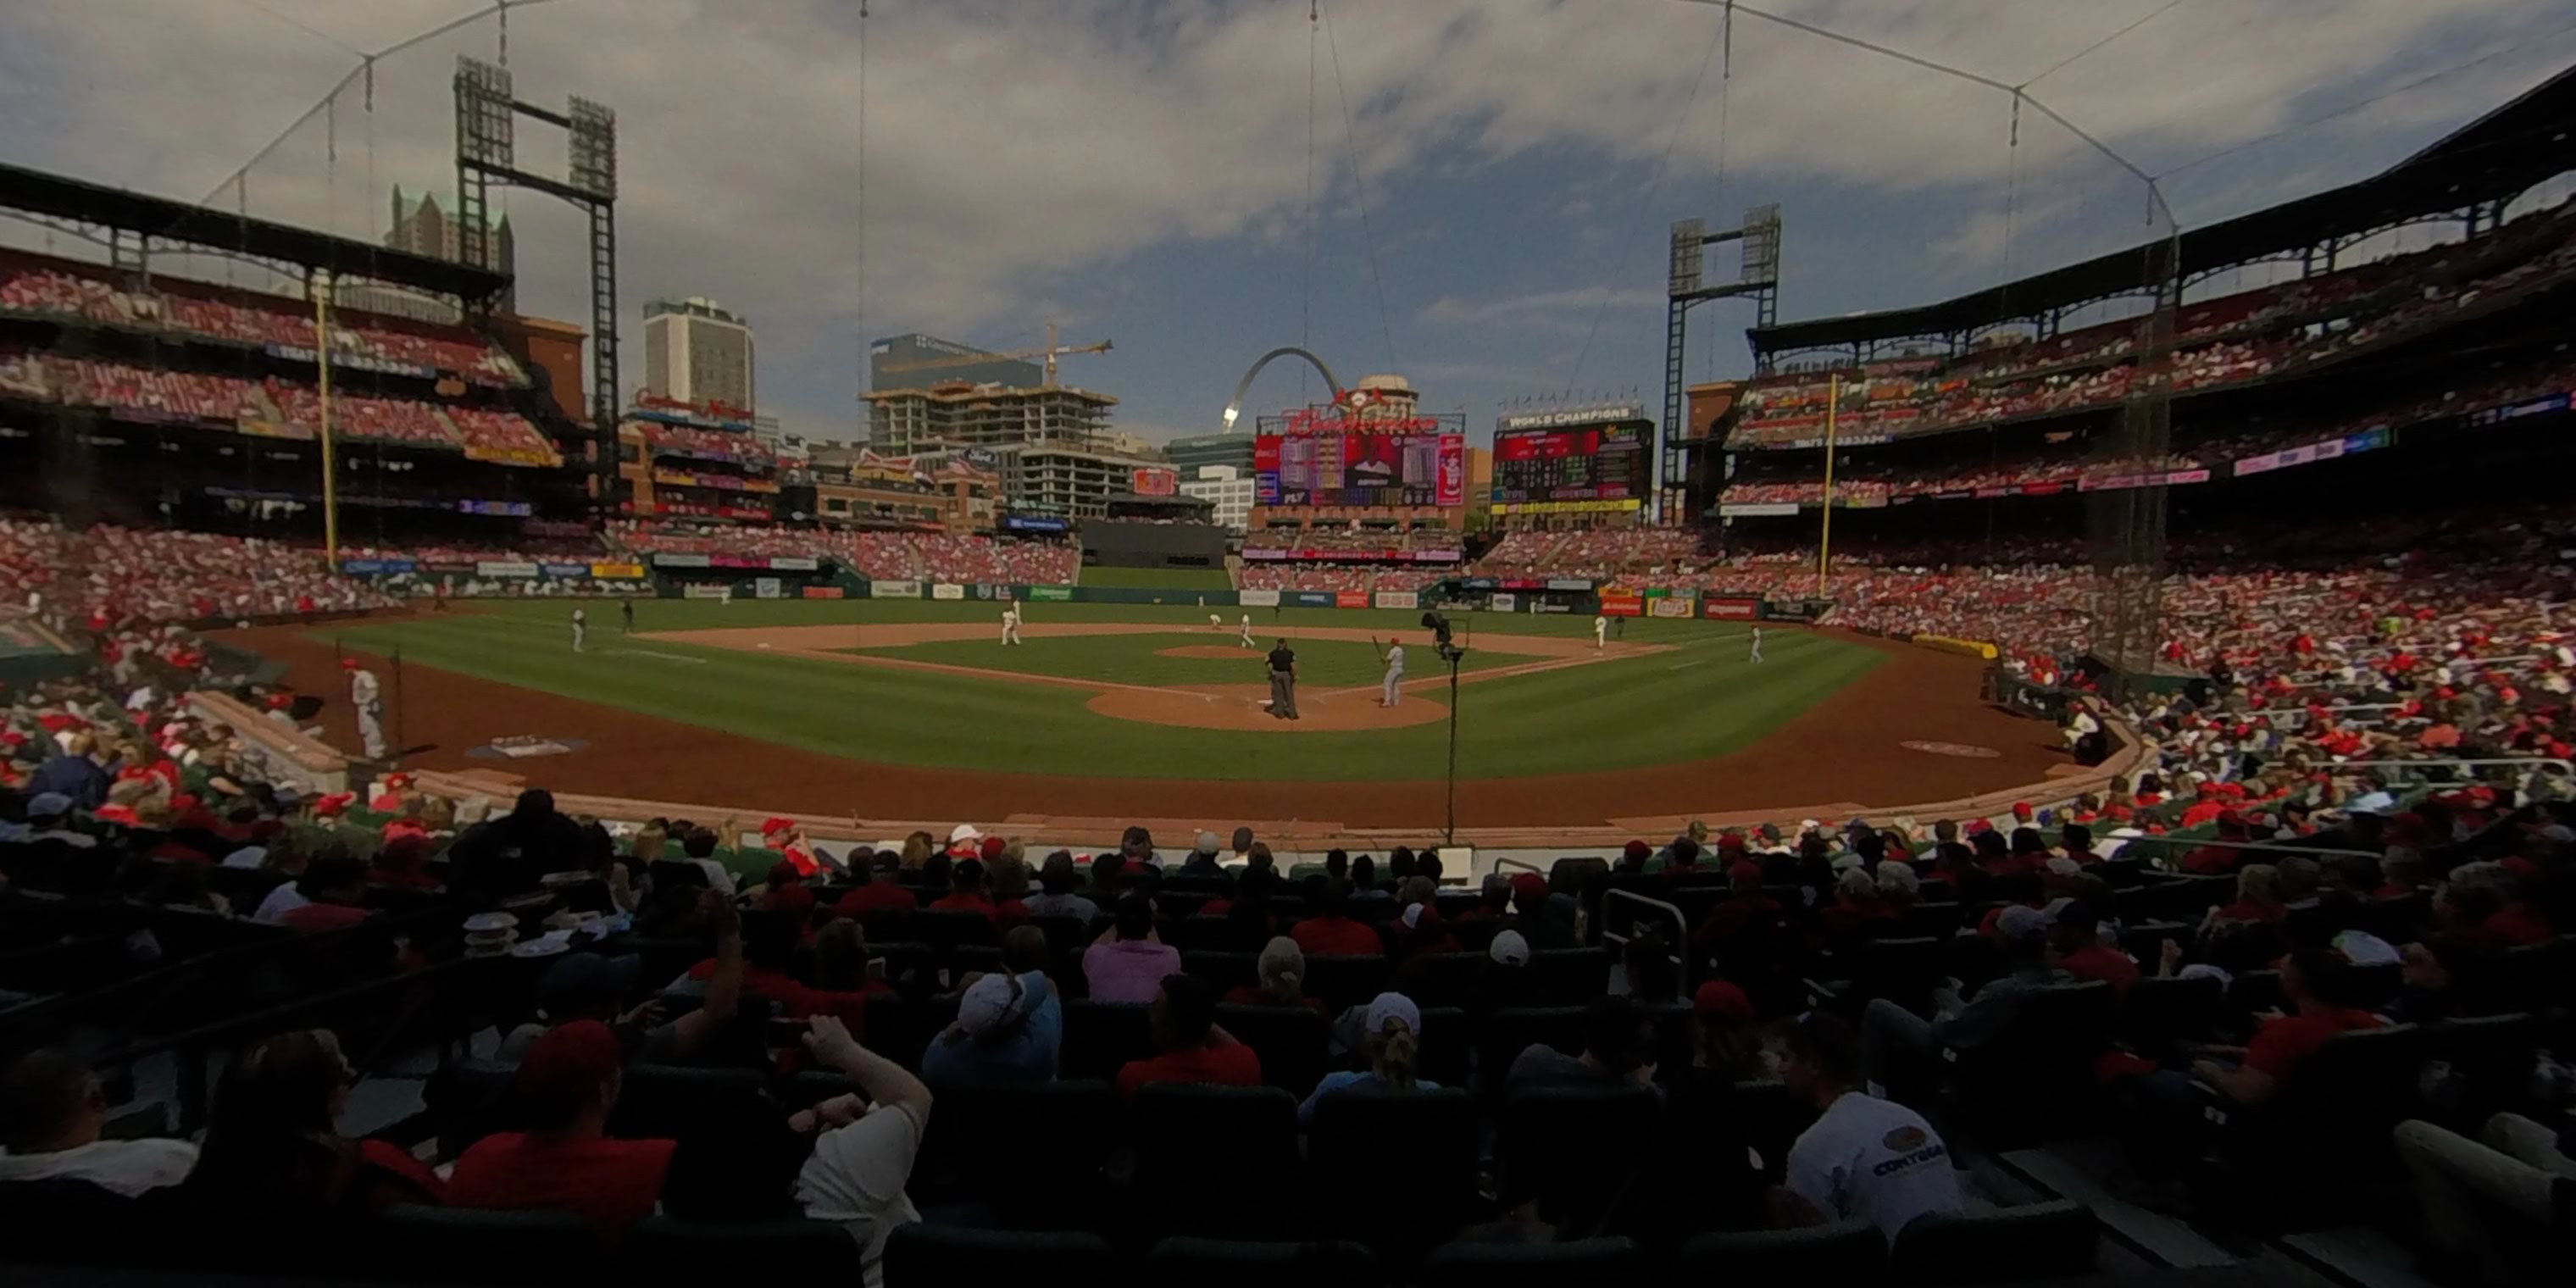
{"x": 1571, "y": 468}
{"x": 1419, "y": 461}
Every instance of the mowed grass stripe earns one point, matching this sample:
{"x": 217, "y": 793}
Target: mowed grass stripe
{"x": 1611, "y": 714}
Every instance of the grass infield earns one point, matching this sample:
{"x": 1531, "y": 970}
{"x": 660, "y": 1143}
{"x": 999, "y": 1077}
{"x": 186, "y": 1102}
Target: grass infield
{"x": 1698, "y": 698}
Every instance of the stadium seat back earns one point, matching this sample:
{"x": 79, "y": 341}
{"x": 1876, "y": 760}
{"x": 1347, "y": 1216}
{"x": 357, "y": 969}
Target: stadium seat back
{"x": 1568, "y": 976}
{"x": 2056, "y": 1240}
{"x": 1514, "y": 1029}
{"x": 1442, "y": 979}
{"x": 1289, "y": 1039}
{"x": 1222, "y": 970}
{"x": 660, "y": 1101}
{"x": 1198, "y": 1263}
{"x": 1535, "y": 1265}
{"x": 473, "y": 1245}
{"x": 1447, "y": 1051}
{"x": 1398, "y": 1168}
{"x": 980, "y": 1148}
{"x": 1774, "y": 1118}
{"x": 1925, "y": 921}
{"x": 1218, "y": 1161}
{"x": 663, "y": 1249}
{"x": 2037, "y": 1071}
{"x": 1101, "y": 1036}
{"x": 1844, "y": 1252}
{"x": 1345, "y": 981}
{"x": 1575, "y": 1148}
{"x": 944, "y": 1256}
{"x": 2161, "y": 1010}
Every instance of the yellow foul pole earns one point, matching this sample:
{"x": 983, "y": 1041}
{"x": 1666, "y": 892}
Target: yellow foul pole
{"x": 1825, "y": 545}
{"x": 330, "y": 471}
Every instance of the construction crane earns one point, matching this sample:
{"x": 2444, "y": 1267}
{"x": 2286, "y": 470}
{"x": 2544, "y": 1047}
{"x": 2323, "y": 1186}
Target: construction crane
{"x": 1050, "y": 353}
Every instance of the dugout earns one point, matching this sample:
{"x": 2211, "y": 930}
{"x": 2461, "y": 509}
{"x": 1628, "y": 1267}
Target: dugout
{"x": 1154, "y": 532}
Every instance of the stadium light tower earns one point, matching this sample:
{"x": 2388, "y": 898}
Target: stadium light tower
{"x": 487, "y": 113}
{"x": 1757, "y": 279}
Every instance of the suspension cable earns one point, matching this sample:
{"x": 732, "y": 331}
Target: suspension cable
{"x": 1359, "y": 183}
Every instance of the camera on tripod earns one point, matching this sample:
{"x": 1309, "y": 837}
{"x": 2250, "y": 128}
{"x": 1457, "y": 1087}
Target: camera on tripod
{"x": 1438, "y": 624}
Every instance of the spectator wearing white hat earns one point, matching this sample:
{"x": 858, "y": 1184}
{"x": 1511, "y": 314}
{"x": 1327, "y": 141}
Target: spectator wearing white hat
{"x": 1391, "y": 1029}
{"x": 1009, "y": 1026}
{"x": 965, "y": 842}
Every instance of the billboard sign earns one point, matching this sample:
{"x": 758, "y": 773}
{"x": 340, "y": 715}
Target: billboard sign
{"x": 1407, "y": 461}
{"x": 820, "y": 592}
{"x": 1259, "y": 599}
{"x": 1623, "y": 604}
{"x": 1756, "y": 509}
{"x": 1350, "y": 599}
{"x": 945, "y": 590}
{"x": 894, "y": 590}
{"x": 1504, "y": 602}
{"x": 1592, "y": 463}
{"x": 1398, "y": 599}
{"x": 1731, "y": 609}
{"x": 1154, "y": 482}
{"x": 1670, "y": 606}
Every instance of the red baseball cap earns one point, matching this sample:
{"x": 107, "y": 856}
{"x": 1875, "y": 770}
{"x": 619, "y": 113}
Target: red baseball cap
{"x": 1718, "y": 997}
{"x": 774, "y": 825}
{"x": 994, "y": 847}
{"x": 348, "y": 664}
{"x": 569, "y": 1063}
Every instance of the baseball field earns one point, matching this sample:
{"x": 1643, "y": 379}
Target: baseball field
{"x": 916, "y": 709}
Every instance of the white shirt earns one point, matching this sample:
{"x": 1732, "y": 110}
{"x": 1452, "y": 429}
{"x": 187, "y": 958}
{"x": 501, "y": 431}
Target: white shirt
{"x": 1876, "y": 1159}
{"x": 577, "y": 617}
{"x": 855, "y": 1180}
{"x": 1600, "y": 624}
{"x": 280, "y": 901}
{"x": 363, "y": 688}
{"x": 127, "y": 1167}
{"x": 1395, "y": 659}
{"x": 1010, "y": 617}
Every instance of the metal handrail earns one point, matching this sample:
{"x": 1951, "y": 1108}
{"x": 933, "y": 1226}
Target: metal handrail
{"x": 1681, "y": 925}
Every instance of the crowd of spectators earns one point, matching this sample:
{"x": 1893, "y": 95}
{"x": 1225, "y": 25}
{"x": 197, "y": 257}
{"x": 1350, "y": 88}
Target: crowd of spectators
{"x": 1601, "y": 554}
{"x": 2234, "y": 339}
{"x": 958, "y": 558}
{"x": 1360, "y": 539}
{"x": 53, "y": 292}
{"x": 1270, "y": 575}
{"x": 685, "y": 440}
{"x": 108, "y": 577}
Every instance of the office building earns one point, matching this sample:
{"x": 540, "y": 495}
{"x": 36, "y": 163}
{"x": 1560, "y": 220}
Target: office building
{"x": 1228, "y": 489}
{"x": 698, "y": 351}
{"x": 1193, "y": 452}
{"x": 888, "y": 359}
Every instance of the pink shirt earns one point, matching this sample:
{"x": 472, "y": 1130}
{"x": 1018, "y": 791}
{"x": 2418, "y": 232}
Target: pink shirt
{"x": 1128, "y": 970}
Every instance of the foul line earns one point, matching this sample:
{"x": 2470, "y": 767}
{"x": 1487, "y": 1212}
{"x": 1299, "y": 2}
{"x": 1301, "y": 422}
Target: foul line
{"x": 667, "y": 657}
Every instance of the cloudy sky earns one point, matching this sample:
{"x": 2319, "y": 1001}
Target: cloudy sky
{"x": 1473, "y": 193}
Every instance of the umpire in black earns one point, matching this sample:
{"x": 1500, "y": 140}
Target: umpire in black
{"x": 1283, "y": 682}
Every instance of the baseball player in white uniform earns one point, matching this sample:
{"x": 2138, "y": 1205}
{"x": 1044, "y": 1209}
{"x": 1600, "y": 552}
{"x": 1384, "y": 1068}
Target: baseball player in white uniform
{"x": 580, "y": 628}
{"x": 1757, "y": 643}
{"x": 367, "y": 699}
{"x": 1010, "y": 622}
{"x": 1246, "y": 638}
{"x": 1216, "y": 621}
{"x": 1600, "y": 632}
{"x": 1391, "y": 690}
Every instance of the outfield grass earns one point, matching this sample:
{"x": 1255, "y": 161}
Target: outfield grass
{"x": 1701, "y": 699}
{"x": 1157, "y": 578}
{"x": 1134, "y": 659}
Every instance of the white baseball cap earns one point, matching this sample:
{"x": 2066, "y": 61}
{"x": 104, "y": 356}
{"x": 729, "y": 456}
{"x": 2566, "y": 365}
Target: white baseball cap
{"x": 964, "y": 832}
{"x": 1393, "y": 1006}
{"x": 1510, "y": 948}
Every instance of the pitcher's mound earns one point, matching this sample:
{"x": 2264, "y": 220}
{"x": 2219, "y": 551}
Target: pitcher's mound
{"x": 1245, "y": 706}
{"x": 1214, "y": 652}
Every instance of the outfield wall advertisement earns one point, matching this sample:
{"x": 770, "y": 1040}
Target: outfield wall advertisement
{"x": 1313, "y": 599}
{"x": 706, "y": 590}
{"x": 944, "y": 590}
{"x": 820, "y": 592}
{"x": 894, "y": 590}
{"x": 1622, "y": 603}
{"x": 1259, "y": 598}
{"x": 1669, "y": 606}
{"x": 1350, "y": 599}
{"x": 1505, "y": 602}
{"x": 1732, "y": 610}
{"x": 1398, "y": 599}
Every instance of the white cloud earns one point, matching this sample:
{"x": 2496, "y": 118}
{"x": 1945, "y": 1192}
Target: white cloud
{"x": 1010, "y": 147}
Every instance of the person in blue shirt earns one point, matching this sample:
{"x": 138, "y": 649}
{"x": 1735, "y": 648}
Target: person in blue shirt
{"x": 1010, "y": 1025}
{"x": 1393, "y": 1029}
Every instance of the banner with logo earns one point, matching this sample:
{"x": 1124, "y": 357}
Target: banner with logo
{"x": 504, "y": 568}
{"x": 1259, "y": 599}
{"x": 821, "y": 592}
{"x": 1623, "y": 604}
{"x": 1314, "y": 599}
{"x": 1546, "y": 606}
{"x": 564, "y": 569}
{"x": 1731, "y": 610}
{"x": 766, "y": 588}
{"x": 375, "y": 567}
{"x": 679, "y": 561}
{"x": 793, "y": 563}
{"x": 894, "y": 590}
{"x": 1062, "y": 594}
{"x": 1756, "y": 509}
{"x": 1452, "y": 486}
{"x": 1505, "y": 602}
{"x": 1153, "y": 482}
{"x": 705, "y": 590}
{"x": 1350, "y": 599}
{"x": 2160, "y": 478}
{"x": 617, "y": 571}
{"x": 947, "y": 590}
{"x": 1670, "y": 606}
{"x": 1577, "y": 584}
{"x": 1398, "y": 599}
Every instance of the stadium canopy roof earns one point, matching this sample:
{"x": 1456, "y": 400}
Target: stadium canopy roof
{"x": 34, "y": 192}
{"x": 2498, "y": 155}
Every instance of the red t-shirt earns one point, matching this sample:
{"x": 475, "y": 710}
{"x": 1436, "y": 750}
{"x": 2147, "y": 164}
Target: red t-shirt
{"x": 611, "y": 1183}
{"x": 2279, "y": 1045}
{"x": 2102, "y": 962}
{"x": 876, "y": 897}
{"x": 1230, "y": 1065}
{"x": 1335, "y": 937}
{"x": 395, "y": 1159}
{"x": 2212, "y": 860}
{"x": 315, "y": 918}
{"x": 2516, "y": 927}
{"x": 1729, "y": 917}
{"x": 1251, "y": 995}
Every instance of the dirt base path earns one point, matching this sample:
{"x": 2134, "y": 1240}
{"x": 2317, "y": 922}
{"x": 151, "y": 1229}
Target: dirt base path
{"x": 1845, "y": 749}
